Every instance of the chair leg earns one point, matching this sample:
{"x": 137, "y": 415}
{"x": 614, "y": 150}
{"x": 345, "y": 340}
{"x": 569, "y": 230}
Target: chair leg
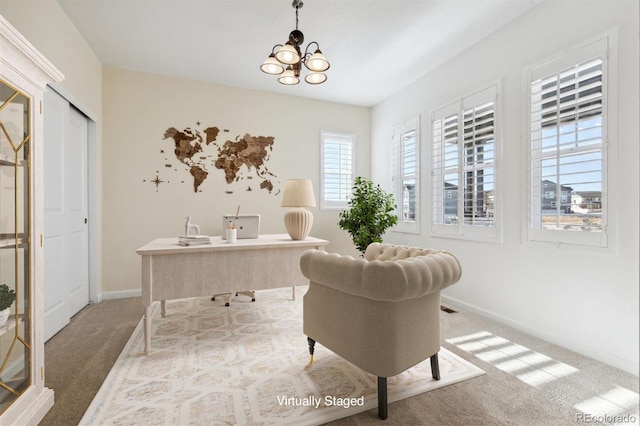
{"x": 382, "y": 398}
{"x": 435, "y": 367}
{"x": 312, "y": 345}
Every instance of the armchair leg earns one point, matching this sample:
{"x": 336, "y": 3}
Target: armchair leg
{"x": 382, "y": 398}
{"x": 435, "y": 367}
{"x": 312, "y": 345}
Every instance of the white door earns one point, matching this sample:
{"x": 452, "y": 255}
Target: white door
{"x": 66, "y": 242}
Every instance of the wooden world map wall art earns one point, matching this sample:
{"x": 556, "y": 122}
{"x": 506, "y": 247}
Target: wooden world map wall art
{"x": 239, "y": 158}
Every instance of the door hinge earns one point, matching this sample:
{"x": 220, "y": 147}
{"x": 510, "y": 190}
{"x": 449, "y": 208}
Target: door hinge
{"x": 41, "y": 241}
{"x": 42, "y": 373}
{"x": 40, "y": 107}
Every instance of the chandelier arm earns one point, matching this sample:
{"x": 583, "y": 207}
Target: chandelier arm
{"x": 308, "y": 53}
{"x": 273, "y": 51}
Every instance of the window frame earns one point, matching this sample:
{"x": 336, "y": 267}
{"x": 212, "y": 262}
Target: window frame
{"x": 398, "y": 175}
{"x": 459, "y": 229}
{"x": 599, "y": 48}
{"x": 349, "y": 139}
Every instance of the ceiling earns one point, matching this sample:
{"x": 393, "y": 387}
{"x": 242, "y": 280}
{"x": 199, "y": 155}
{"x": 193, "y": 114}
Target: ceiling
{"x": 376, "y": 47}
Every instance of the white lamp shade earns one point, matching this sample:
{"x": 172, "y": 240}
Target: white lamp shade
{"x": 317, "y": 62}
{"x": 288, "y": 77}
{"x": 272, "y": 66}
{"x": 287, "y": 54}
{"x": 298, "y": 193}
{"x": 315, "y": 78}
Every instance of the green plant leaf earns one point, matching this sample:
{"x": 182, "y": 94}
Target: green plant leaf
{"x": 369, "y": 214}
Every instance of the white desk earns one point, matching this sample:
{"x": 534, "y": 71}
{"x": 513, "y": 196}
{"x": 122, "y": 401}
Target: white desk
{"x": 171, "y": 271}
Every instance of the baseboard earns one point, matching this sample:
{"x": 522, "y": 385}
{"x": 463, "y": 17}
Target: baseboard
{"x": 630, "y": 366}
{"x": 121, "y": 294}
{"x": 37, "y": 408}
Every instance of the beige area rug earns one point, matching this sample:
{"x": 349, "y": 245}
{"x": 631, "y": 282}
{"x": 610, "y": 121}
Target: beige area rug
{"x": 245, "y": 364}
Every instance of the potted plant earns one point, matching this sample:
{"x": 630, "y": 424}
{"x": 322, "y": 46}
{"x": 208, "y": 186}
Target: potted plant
{"x": 369, "y": 215}
{"x": 7, "y": 297}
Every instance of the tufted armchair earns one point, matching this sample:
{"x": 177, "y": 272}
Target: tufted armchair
{"x": 380, "y": 312}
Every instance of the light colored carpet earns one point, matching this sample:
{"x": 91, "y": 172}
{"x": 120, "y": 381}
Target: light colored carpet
{"x": 244, "y": 364}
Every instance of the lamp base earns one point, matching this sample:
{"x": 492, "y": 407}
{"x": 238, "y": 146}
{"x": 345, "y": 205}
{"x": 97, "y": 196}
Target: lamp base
{"x": 298, "y": 223}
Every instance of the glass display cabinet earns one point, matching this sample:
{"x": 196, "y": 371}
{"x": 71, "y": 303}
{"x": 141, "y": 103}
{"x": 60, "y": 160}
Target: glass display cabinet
{"x": 15, "y": 274}
{"x": 24, "y": 75}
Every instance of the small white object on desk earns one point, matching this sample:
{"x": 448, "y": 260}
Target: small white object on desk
{"x": 188, "y": 226}
{"x": 232, "y": 235}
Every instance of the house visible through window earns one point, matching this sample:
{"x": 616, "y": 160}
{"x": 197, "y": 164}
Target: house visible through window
{"x": 404, "y": 171}
{"x": 463, "y": 167}
{"x": 337, "y": 168}
{"x": 567, "y": 149}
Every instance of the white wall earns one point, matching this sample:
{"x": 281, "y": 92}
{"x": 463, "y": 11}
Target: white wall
{"x": 139, "y": 107}
{"x": 586, "y": 300}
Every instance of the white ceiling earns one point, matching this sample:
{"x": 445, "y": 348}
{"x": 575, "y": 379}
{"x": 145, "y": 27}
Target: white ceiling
{"x": 376, "y": 47}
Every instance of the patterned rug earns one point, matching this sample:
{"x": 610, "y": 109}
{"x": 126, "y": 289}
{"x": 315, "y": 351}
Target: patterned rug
{"x": 246, "y": 364}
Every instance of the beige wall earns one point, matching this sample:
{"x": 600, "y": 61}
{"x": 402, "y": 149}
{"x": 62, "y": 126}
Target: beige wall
{"x": 47, "y": 27}
{"x": 139, "y": 107}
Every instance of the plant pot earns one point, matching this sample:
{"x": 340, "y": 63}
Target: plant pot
{"x": 4, "y": 316}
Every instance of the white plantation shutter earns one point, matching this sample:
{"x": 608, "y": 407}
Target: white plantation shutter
{"x": 404, "y": 174}
{"x": 337, "y": 169}
{"x": 446, "y": 161}
{"x": 478, "y": 163}
{"x": 567, "y": 149}
{"x": 463, "y": 167}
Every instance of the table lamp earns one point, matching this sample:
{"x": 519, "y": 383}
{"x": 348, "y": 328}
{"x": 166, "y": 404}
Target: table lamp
{"x": 298, "y": 193}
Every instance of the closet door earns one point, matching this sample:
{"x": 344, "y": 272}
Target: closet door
{"x": 66, "y": 278}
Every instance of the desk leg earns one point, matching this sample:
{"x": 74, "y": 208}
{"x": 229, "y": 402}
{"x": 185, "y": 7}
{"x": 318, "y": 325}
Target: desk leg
{"x": 163, "y": 308}
{"x": 147, "y": 329}
{"x": 293, "y": 293}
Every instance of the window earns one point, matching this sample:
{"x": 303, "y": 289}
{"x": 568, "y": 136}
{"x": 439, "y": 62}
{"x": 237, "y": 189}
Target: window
{"x": 463, "y": 192}
{"x": 567, "y": 150}
{"x": 337, "y": 169}
{"x": 404, "y": 177}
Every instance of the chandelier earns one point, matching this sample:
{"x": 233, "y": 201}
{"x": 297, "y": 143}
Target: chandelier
{"x": 287, "y": 60}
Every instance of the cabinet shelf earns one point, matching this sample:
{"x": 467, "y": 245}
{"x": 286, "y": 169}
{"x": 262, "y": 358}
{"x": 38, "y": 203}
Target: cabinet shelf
{"x": 6, "y": 160}
{"x": 9, "y": 240}
{"x": 11, "y": 324}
